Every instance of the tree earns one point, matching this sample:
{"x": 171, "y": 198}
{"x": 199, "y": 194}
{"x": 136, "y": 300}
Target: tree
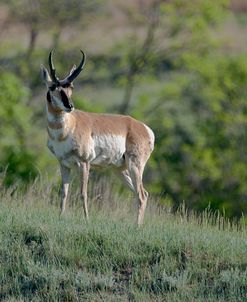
{"x": 171, "y": 28}
{"x": 138, "y": 57}
{"x": 29, "y": 13}
{"x": 38, "y": 15}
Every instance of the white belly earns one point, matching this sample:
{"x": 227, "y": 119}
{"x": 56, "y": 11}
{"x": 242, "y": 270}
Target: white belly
{"x": 104, "y": 150}
{"x": 108, "y": 150}
{"x": 64, "y": 152}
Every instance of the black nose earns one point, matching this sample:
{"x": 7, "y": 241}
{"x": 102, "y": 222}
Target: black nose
{"x": 70, "y": 107}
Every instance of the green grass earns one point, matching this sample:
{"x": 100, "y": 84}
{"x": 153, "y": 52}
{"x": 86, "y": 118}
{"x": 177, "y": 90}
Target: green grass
{"x": 181, "y": 257}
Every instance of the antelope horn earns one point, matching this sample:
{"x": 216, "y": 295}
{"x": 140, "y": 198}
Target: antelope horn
{"x": 77, "y": 71}
{"x": 52, "y": 69}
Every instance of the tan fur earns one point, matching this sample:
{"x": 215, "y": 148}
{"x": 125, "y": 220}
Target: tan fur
{"x": 135, "y": 133}
{"x": 84, "y": 139}
{"x": 84, "y": 126}
{"x": 93, "y": 123}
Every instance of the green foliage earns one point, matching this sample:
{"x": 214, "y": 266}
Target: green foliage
{"x": 202, "y": 134}
{"x": 17, "y": 160}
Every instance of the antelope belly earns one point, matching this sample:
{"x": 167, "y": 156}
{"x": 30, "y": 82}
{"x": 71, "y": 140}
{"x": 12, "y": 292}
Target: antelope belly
{"x": 109, "y": 150}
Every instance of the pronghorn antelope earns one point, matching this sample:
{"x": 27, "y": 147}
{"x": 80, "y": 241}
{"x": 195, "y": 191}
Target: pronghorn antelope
{"x": 85, "y": 140}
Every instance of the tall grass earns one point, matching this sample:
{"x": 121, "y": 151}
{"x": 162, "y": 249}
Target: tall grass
{"x": 173, "y": 257}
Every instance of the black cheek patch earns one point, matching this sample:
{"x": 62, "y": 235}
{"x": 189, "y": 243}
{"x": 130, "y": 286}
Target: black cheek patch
{"x": 48, "y": 97}
{"x": 65, "y": 99}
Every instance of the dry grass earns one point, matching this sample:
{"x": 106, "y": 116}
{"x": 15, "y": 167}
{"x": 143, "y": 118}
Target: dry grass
{"x": 173, "y": 257}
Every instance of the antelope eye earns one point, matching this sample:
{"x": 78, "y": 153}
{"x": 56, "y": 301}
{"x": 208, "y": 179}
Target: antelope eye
{"x": 53, "y": 87}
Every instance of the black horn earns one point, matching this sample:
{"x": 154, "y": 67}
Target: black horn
{"x": 52, "y": 70}
{"x": 77, "y": 71}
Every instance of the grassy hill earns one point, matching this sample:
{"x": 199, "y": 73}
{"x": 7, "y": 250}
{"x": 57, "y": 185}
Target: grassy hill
{"x": 173, "y": 257}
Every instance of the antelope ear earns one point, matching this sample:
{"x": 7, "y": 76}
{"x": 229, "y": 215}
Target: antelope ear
{"x": 45, "y": 75}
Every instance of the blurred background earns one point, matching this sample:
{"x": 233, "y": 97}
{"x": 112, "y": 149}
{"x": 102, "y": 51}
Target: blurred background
{"x": 178, "y": 65}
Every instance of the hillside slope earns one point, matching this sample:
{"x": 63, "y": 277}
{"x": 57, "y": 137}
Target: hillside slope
{"x": 171, "y": 258}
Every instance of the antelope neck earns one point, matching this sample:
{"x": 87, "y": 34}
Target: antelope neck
{"x": 56, "y": 119}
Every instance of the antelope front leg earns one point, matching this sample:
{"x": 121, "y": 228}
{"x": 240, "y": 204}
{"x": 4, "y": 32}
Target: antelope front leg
{"x": 65, "y": 172}
{"x": 84, "y": 182}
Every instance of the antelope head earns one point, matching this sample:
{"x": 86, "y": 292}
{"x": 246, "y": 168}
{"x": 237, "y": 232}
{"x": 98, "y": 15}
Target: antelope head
{"x": 60, "y": 91}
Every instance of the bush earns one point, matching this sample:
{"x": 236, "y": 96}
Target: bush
{"x": 17, "y": 159}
